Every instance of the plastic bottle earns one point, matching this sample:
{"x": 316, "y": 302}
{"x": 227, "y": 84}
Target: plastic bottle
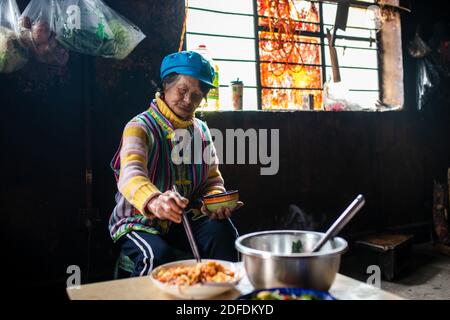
{"x": 212, "y": 101}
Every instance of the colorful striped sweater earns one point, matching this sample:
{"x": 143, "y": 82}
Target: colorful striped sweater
{"x": 143, "y": 168}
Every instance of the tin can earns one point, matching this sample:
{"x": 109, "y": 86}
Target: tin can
{"x": 237, "y": 91}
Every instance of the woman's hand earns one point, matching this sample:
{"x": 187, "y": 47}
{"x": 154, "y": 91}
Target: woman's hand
{"x": 222, "y": 212}
{"x": 168, "y": 206}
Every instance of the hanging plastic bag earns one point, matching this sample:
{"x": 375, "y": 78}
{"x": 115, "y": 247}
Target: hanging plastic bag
{"x": 91, "y": 27}
{"x": 418, "y": 48}
{"x": 337, "y": 97}
{"x": 13, "y": 54}
{"x": 330, "y": 102}
{"x": 37, "y": 24}
{"x": 428, "y": 81}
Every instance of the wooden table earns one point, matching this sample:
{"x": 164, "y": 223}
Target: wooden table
{"x": 141, "y": 288}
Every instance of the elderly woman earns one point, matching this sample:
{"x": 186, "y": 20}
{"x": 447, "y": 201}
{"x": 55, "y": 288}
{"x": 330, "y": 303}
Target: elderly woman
{"x": 148, "y": 213}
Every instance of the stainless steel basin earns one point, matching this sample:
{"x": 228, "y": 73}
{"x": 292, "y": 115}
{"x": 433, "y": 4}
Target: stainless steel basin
{"x": 270, "y": 262}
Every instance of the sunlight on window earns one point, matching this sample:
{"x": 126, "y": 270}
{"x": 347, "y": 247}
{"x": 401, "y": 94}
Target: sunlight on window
{"x": 287, "y": 59}
{"x": 358, "y": 58}
{"x": 298, "y": 76}
{"x": 291, "y": 71}
{"x": 237, "y": 6}
{"x": 202, "y": 24}
{"x": 241, "y": 26}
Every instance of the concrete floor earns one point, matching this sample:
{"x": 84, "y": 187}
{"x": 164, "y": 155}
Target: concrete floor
{"x": 428, "y": 277}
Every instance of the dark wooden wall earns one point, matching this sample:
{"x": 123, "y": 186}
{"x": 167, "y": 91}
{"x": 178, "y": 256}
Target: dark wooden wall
{"x": 45, "y": 139}
{"x": 326, "y": 159}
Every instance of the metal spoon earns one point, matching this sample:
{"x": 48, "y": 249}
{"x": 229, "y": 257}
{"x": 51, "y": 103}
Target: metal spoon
{"x": 341, "y": 222}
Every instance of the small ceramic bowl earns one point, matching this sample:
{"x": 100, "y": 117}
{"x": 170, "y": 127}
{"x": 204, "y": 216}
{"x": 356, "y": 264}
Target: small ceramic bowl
{"x": 227, "y": 199}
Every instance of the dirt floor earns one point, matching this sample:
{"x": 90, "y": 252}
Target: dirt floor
{"x": 427, "y": 277}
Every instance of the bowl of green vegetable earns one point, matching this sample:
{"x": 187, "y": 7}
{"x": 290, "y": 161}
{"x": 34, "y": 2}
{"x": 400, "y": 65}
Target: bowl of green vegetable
{"x": 283, "y": 259}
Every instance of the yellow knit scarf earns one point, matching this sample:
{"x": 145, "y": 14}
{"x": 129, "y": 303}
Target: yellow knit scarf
{"x": 175, "y": 120}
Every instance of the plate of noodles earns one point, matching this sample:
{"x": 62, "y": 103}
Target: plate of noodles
{"x": 187, "y": 279}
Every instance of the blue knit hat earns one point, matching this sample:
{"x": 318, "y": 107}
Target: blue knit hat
{"x": 189, "y": 63}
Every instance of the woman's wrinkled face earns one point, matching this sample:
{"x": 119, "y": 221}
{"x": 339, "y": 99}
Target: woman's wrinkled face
{"x": 184, "y": 96}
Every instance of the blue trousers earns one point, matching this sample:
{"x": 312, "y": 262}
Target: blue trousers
{"x": 215, "y": 240}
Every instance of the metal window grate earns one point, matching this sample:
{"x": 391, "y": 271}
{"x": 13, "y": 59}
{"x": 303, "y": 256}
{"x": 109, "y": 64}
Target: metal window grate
{"x": 320, "y": 35}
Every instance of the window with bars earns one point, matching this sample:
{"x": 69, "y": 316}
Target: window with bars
{"x": 281, "y": 53}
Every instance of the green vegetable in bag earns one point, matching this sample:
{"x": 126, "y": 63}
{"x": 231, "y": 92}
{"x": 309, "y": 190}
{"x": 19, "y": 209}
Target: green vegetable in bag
{"x": 13, "y": 55}
{"x": 123, "y": 39}
{"x": 93, "y": 42}
{"x": 91, "y": 27}
{"x": 99, "y": 43}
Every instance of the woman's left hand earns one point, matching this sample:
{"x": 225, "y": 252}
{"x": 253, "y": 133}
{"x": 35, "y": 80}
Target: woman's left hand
{"x": 222, "y": 212}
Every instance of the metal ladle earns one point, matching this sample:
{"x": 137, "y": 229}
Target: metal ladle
{"x": 341, "y": 222}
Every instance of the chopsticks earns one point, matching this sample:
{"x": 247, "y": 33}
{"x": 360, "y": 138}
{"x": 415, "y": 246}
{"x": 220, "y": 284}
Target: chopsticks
{"x": 190, "y": 235}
